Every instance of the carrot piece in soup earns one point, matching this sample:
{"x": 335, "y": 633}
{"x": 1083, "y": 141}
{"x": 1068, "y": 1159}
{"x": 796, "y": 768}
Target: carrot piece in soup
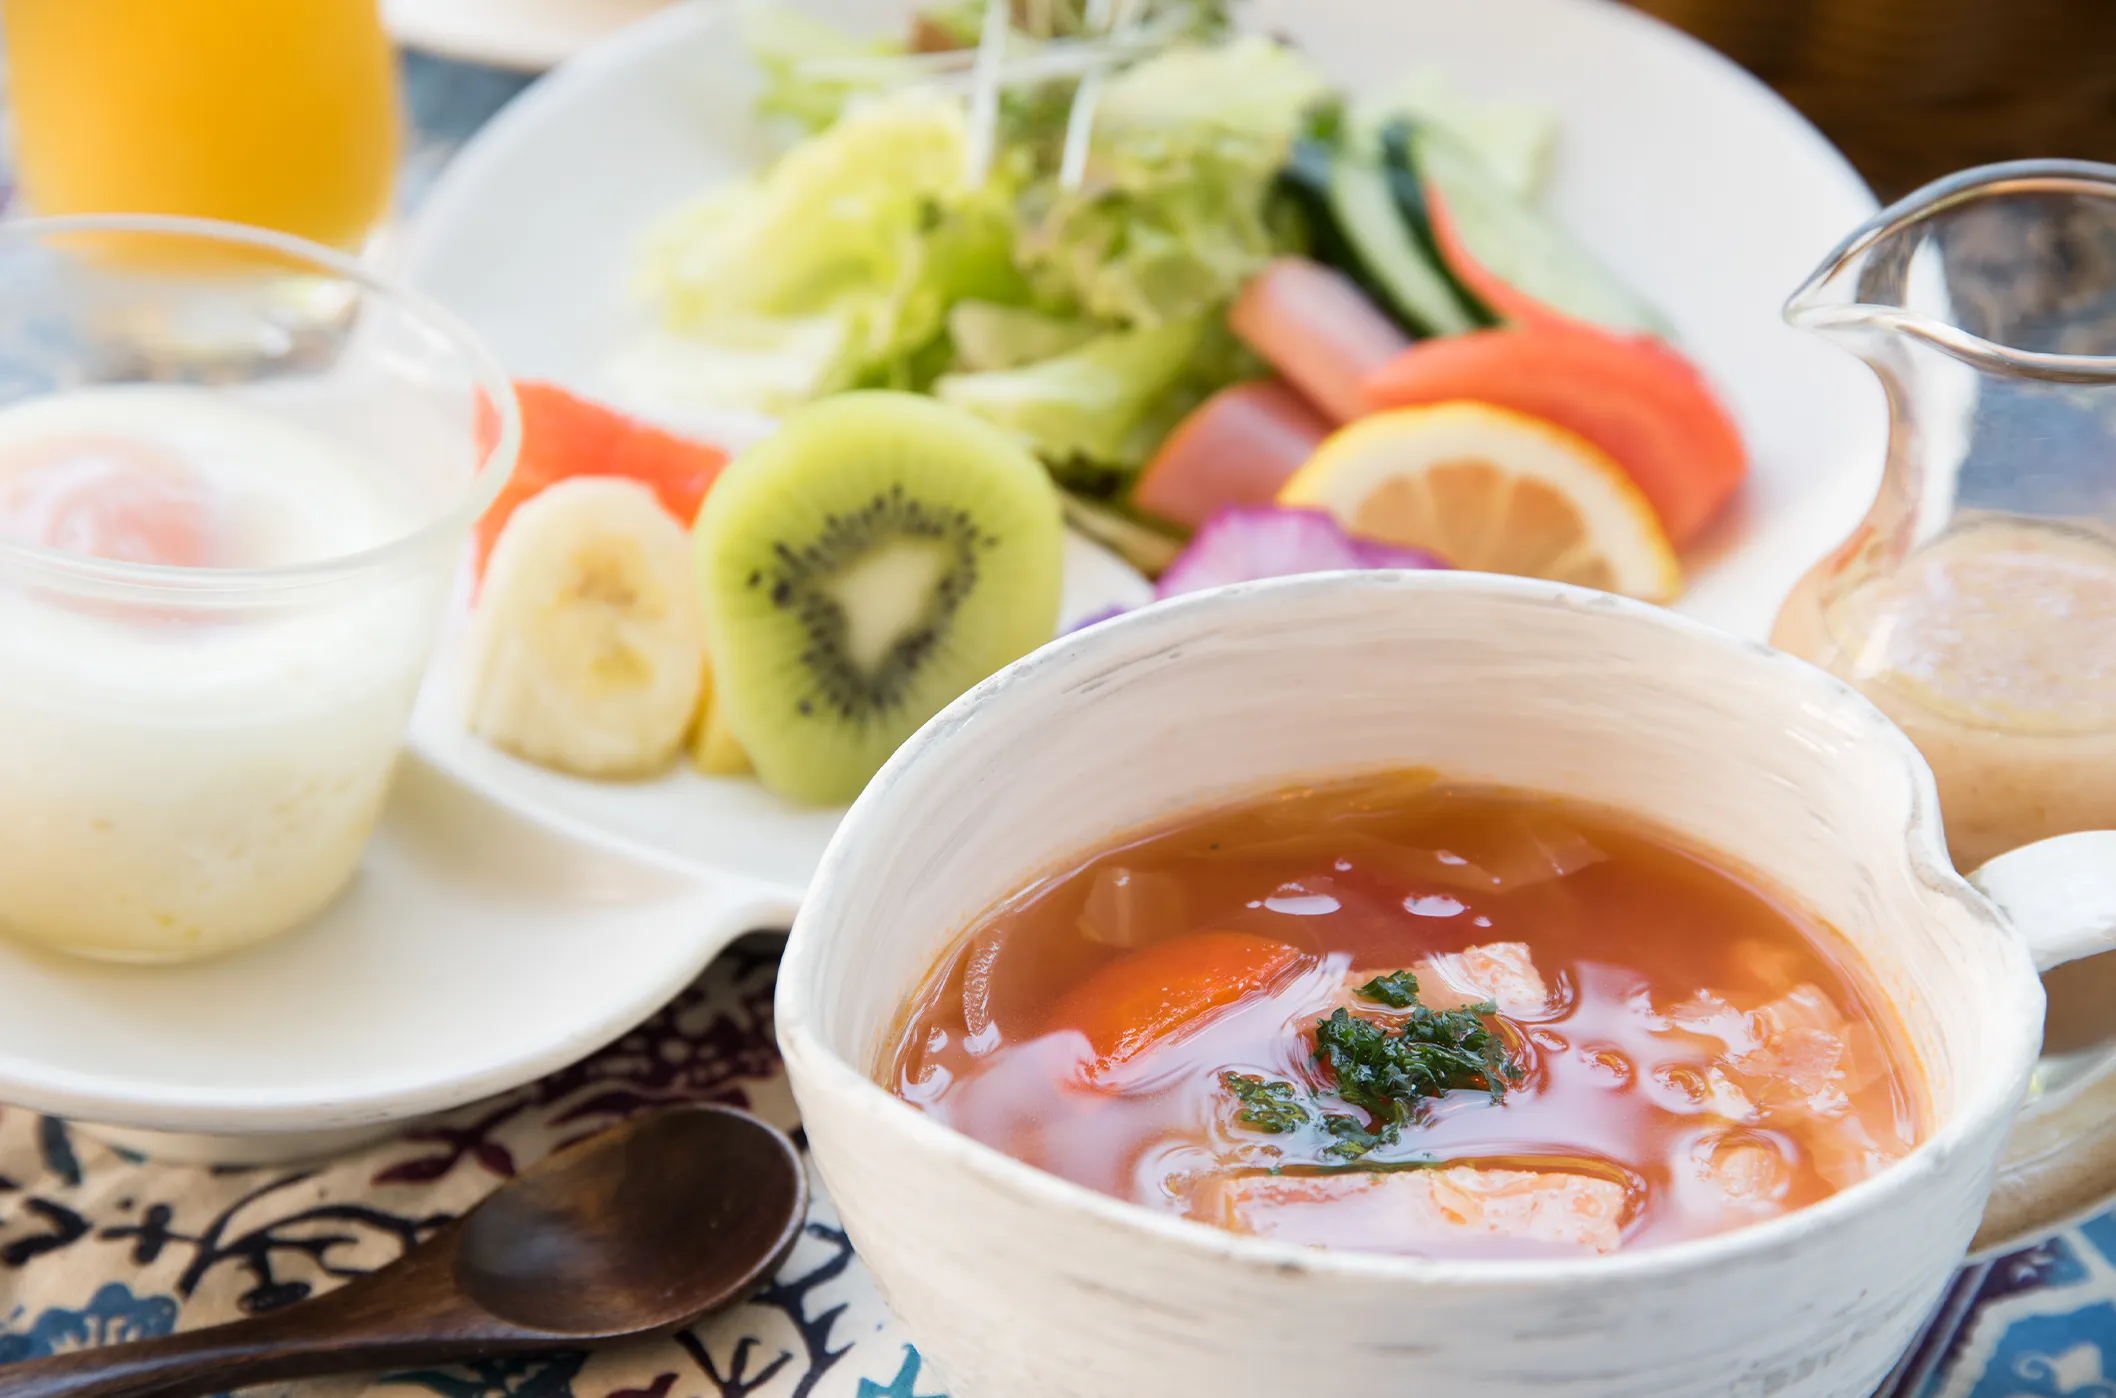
{"x": 565, "y": 436}
{"x": 1635, "y": 398}
{"x": 1142, "y": 999}
{"x": 1319, "y": 331}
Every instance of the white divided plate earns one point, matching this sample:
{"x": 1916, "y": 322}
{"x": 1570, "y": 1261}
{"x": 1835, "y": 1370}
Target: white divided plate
{"x": 1688, "y": 177}
{"x": 476, "y": 951}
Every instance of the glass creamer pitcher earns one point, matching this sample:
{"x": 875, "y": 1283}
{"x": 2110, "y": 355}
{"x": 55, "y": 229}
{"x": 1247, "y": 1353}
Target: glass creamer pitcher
{"x": 1976, "y": 603}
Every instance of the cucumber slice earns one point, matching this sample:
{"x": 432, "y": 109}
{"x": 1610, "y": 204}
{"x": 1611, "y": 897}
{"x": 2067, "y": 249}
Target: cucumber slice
{"x": 1513, "y": 243}
{"x": 1401, "y": 172}
{"x": 1372, "y": 225}
{"x": 1512, "y": 140}
{"x": 1306, "y": 182}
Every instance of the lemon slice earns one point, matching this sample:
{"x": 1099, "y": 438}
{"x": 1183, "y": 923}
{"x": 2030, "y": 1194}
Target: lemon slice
{"x": 1494, "y": 491}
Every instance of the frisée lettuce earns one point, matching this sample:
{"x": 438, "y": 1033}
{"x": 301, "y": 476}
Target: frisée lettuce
{"x": 868, "y": 229}
{"x": 1087, "y": 403}
{"x": 1067, "y": 305}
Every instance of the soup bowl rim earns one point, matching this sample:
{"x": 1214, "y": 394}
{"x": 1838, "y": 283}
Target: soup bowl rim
{"x": 819, "y": 1071}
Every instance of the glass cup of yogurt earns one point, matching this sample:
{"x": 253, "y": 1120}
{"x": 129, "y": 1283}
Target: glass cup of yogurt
{"x": 237, "y": 475}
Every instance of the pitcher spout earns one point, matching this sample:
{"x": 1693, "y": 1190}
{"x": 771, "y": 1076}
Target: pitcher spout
{"x": 2024, "y": 231}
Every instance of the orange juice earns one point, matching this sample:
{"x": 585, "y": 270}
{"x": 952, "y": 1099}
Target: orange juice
{"x": 279, "y": 113}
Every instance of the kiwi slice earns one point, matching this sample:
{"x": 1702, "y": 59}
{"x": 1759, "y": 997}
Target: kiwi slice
{"x": 862, "y": 566}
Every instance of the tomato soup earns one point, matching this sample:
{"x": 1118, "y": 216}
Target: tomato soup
{"x": 1409, "y": 1016}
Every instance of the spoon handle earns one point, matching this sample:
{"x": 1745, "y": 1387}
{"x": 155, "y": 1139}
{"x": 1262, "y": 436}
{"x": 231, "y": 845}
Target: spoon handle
{"x": 361, "y": 1325}
{"x": 213, "y": 1360}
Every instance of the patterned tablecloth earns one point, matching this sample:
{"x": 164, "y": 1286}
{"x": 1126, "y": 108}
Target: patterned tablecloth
{"x": 98, "y": 1246}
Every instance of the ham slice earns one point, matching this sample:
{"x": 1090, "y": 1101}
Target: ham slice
{"x": 1501, "y": 972}
{"x": 1235, "y": 449}
{"x": 1795, "y": 1053}
{"x": 1748, "y": 1170}
{"x": 1415, "y": 1210}
{"x": 1319, "y": 330}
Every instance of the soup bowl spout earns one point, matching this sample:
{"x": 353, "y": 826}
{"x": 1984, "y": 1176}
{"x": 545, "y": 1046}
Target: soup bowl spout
{"x": 1017, "y": 1284}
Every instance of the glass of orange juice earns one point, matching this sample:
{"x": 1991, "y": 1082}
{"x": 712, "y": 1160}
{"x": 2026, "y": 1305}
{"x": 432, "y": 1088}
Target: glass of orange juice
{"x": 278, "y": 113}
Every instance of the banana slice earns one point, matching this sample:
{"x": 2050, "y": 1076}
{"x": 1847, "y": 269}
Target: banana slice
{"x": 714, "y": 750}
{"x": 587, "y": 650}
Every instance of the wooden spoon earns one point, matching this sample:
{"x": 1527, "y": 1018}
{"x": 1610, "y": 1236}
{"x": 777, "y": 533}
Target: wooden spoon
{"x": 638, "y": 1230}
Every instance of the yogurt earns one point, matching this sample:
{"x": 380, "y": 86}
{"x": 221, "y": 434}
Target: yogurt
{"x": 183, "y": 774}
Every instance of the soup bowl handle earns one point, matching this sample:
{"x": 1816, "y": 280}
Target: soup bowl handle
{"x": 2060, "y": 893}
{"x": 2059, "y": 1159}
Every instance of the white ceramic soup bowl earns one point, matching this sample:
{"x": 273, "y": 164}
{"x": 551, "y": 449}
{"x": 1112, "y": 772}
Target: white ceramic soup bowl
{"x": 1017, "y": 1284}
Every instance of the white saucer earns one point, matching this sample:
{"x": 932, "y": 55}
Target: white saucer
{"x": 527, "y": 35}
{"x": 478, "y": 950}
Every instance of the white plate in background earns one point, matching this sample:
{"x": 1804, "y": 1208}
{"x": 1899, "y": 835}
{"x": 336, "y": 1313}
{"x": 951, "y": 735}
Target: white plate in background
{"x": 1690, "y": 178}
{"x": 526, "y": 35}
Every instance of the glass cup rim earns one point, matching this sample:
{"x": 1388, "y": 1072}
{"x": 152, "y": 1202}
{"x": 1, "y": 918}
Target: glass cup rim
{"x": 131, "y": 579}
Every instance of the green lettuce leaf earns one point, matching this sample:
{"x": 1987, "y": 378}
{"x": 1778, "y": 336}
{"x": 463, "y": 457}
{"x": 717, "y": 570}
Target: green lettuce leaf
{"x": 1088, "y": 402}
{"x": 868, "y": 228}
{"x": 1175, "y": 212}
{"x": 988, "y": 336}
{"x": 1087, "y": 320}
{"x": 1169, "y": 229}
{"x": 1251, "y": 87}
{"x": 781, "y": 39}
{"x": 749, "y": 365}
{"x": 837, "y": 215}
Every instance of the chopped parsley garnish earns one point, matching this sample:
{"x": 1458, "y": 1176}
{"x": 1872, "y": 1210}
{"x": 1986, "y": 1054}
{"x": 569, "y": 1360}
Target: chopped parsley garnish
{"x": 1391, "y": 1074}
{"x": 1398, "y": 990}
{"x": 1268, "y": 1106}
{"x": 1353, "y": 1138}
